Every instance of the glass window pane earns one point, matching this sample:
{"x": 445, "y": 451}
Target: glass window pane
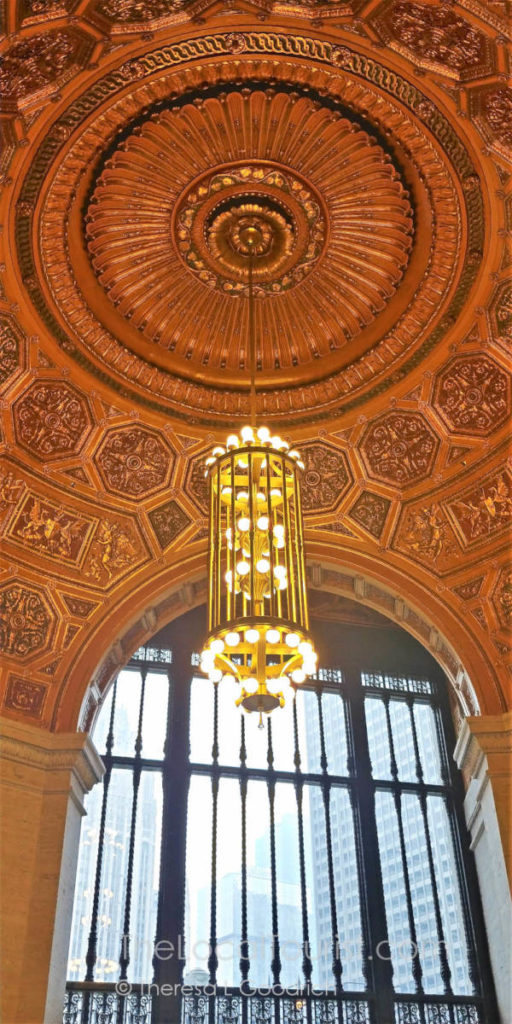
{"x": 335, "y": 733}
{"x": 348, "y": 904}
{"x": 309, "y": 731}
{"x": 428, "y": 742}
{"x": 154, "y": 720}
{"x": 127, "y": 712}
{"x": 289, "y": 900}
{"x": 198, "y": 877}
{"x": 449, "y": 895}
{"x": 229, "y": 899}
{"x": 146, "y": 877}
{"x": 421, "y": 893}
{"x": 403, "y": 741}
{"x": 320, "y": 936}
{"x": 229, "y": 727}
{"x": 259, "y": 903}
{"x": 283, "y": 742}
{"x": 378, "y": 741}
{"x": 201, "y": 721}
{"x": 256, "y": 742}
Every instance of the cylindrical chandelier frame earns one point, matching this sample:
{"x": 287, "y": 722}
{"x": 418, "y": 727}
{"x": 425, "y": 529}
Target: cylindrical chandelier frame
{"x": 258, "y": 625}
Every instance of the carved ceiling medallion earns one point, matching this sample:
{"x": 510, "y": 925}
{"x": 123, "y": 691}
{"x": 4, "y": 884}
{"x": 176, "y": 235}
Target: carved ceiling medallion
{"x": 345, "y": 291}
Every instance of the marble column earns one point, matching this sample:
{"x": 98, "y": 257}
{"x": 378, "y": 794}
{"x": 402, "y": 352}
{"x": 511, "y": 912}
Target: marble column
{"x": 484, "y": 755}
{"x": 44, "y": 777}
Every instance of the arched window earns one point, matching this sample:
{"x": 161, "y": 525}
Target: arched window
{"x": 315, "y": 871}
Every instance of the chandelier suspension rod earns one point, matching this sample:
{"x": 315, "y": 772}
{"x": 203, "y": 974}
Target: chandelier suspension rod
{"x": 252, "y": 336}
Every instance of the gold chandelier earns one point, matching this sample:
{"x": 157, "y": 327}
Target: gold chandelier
{"x": 258, "y": 625}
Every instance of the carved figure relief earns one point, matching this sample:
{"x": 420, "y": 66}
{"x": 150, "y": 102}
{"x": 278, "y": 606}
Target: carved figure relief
{"x": 325, "y": 478}
{"x": 399, "y": 448}
{"x": 473, "y": 395}
{"x": 137, "y": 10}
{"x": 501, "y": 312}
{"x": 114, "y": 549}
{"x": 11, "y": 490}
{"x": 134, "y": 461}
{"x": 34, "y": 63}
{"x": 25, "y": 621}
{"x": 51, "y": 419}
{"x": 50, "y": 530}
{"x": 25, "y": 696}
{"x": 168, "y": 521}
{"x": 497, "y": 110}
{"x": 483, "y": 510}
{"x": 426, "y": 535}
{"x": 436, "y": 35}
{"x": 370, "y": 511}
{"x": 502, "y": 597}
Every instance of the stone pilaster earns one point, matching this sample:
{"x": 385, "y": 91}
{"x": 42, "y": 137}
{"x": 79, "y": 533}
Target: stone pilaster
{"x": 43, "y": 779}
{"x": 484, "y": 755}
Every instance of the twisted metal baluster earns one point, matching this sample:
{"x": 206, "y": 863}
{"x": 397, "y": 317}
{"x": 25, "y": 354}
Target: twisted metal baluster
{"x": 417, "y": 971}
{"x": 124, "y": 957}
{"x": 244, "y": 942}
{"x": 445, "y": 968}
{"x": 276, "y": 954}
{"x": 307, "y": 966}
{"x": 337, "y": 968}
{"x": 90, "y": 958}
{"x": 213, "y": 960}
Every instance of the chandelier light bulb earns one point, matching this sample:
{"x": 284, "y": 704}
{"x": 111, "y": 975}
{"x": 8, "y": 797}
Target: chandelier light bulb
{"x": 298, "y": 675}
{"x": 263, "y": 565}
{"x": 232, "y": 441}
{"x": 264, "y": 434}
{"x": 228, "y": 679}
{"x": 252, "y": 636}
{"x": 232, "y": 639}
{"x": 292, "y": 639}
{"x": 216, "y": 675}
{"x": 273, "y": 635}
{"x": 262, "y": 523}
{"x": 217, "y": 646}
{"x": 247, "y": 434}
{"x": 276, "y": 442}
{"x": 242, "y": 496}
{"x": 280, "y": 573}
{"x": 218, "y": 451}
{"x": 244, "y": 524}
{"x": 305, "y": 648}
{"x": 243, "y": 568}
{"x": 251, "y": 684}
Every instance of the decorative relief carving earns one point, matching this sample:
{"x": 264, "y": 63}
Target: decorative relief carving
{"x": 435, "y": 36}
{"x": 114, "y": 549}
{"x": 370, "y": 511}
{"x": 25, "y": 696}
{"x": 399, "y": 448}
{"x": 33, "y": 64}
{"x": 134, "y": 461}
{"x": 51, "y": 419}
{"x": 10, "y": 345}
{"x": 196, "y": 483}
{"x": 425, "y": 535}
{"x": 168, "y": 521}
{"x": 138, "y": 10}
{"x": 11, "y": 490}
{"x": 50, "y": 530}
{"x": 25, "y": 620}
{"x": 471, "y": 589}
{"x": 502, "y": 597}
{"x": 69, "y": 635}
{"x": 501, "y": 313}
{"x": 325, "y": 479}
{"x": 484, "y": 510}
{"x": 473, "y": 395}
{"x": 497, "y": 110}
{"x": 78, "y": 606}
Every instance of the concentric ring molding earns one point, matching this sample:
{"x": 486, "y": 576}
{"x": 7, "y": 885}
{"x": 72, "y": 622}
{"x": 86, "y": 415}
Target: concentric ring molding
{"x": 449, "y": 270}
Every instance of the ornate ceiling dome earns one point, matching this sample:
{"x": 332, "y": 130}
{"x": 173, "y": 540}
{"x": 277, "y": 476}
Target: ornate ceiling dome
{"x": 362, "y": 199}
{"x": 335, "y": 221}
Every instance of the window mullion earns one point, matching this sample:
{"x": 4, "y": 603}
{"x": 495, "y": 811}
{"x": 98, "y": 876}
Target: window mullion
{"x": 364, "y": 791}
{"x": 168, "y": 963}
